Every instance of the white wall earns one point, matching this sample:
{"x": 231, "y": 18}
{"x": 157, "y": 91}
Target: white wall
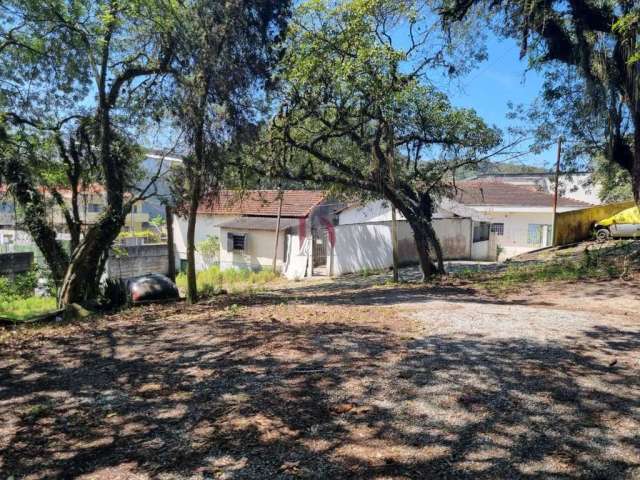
{"x": 368, "y": 245}
{"x": 362, "y": 246}
{"x": 375, "y": 211}
{"x": 205, "y": 225}
{"x": 516, "y": 230}
{"x": 258, "y": 251}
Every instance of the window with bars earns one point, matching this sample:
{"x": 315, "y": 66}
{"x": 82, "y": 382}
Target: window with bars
{"x": 236, "y": 242}
{"x": 497, "y": 228}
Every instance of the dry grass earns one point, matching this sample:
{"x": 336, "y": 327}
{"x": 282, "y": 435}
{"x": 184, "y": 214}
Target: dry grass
{"x": 325, "y": 381}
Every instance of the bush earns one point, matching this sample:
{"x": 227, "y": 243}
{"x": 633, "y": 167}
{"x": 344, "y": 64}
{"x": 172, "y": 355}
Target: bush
{"x": 22, "y": 286}
{"x": 212, "y": 280}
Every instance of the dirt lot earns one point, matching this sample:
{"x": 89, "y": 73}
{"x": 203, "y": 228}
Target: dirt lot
{"x": 333, "y": 380}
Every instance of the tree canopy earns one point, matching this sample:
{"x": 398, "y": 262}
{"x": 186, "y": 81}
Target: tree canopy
{"x": 357, "y": 110}
{"x": 589, "y": 51}
{"x": 63, "y": 65}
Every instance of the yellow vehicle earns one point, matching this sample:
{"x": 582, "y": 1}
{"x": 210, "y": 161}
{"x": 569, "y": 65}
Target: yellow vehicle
{"x": 625, "y": 224}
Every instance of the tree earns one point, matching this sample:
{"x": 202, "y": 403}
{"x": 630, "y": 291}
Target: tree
{"x": 226, "y": 50}
{"x": 589, "y": 50}
{"x": 91, "y": 61}
{"x": 358, "y": 113}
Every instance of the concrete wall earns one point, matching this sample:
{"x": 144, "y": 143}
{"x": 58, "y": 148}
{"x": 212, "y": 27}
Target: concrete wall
{"x": 455, "y": 235}
{"x": 365, "y": 246}
{"x": 577, "y": 225}
{"x": 258, "y": 251}
{"x": 368, "y": 245}
{"x": 14, "y": 263}
{"x": 374, "y": 211}
{"x": 138, "y": 260}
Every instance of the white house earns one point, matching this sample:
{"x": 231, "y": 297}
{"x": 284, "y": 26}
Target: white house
{"x": 521, "y": 216}
{"x": 244, "y": 224}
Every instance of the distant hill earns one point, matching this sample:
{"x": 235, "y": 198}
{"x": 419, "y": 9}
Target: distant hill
{"x": 496, "y": 167}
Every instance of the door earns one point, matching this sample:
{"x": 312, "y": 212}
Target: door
{"x": 319, "y": 248}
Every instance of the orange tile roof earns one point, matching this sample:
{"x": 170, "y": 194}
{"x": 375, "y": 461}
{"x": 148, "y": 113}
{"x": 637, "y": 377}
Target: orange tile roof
{"x": 506, "y": 194}
{"x": 263, "y": 203}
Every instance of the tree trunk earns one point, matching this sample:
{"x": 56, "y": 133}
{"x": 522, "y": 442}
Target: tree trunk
{"x": 635, "y": 174}
{"x": 82, "y": 280}
{"x": 419, "y": 215}
{"x": 435, "y": 245}
{"x": 35, "y": 219}
{"x": 426, "y": 241}
{"x": 194, "y": 201}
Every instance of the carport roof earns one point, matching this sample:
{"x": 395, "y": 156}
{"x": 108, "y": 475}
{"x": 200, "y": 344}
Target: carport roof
{"x": 258, "y": 223}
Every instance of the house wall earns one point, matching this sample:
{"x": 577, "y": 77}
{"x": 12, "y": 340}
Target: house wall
{"x": 205, "y": 225}
{"x": 258, "y": 251}
{"x": 515, "y": 239}
{"x": 578, "y": 224}
{"x": 365, "y": 246}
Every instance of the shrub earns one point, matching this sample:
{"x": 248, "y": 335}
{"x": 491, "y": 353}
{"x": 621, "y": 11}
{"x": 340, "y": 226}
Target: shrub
{"x": 212, "y": 280}
{"x": 22, "y": 286}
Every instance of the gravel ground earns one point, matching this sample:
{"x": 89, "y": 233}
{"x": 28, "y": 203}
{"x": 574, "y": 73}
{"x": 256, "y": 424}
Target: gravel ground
{"x": 327, "y": 380}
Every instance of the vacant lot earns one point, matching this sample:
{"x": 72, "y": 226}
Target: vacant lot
{"x": 333, "y": 380}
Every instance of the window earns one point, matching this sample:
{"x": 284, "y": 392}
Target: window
{"x": 539, "y": 234}
{"x": 236, "y": 242}
{"x": 497, "y": 228}
{"x": 94, "y": 207}
{"x": 480, "y": 232}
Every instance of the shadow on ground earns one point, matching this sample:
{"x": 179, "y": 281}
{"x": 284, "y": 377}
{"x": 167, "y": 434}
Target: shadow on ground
{"x": 164, "y": 396}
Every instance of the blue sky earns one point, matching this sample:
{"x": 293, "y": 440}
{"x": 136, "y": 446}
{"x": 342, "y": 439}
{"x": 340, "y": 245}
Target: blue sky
{"x": 501, "y": 79}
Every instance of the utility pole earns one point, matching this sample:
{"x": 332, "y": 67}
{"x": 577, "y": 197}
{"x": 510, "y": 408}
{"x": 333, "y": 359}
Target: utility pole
{"x": 275, "y": 249}
{"x": 555, "y": 193}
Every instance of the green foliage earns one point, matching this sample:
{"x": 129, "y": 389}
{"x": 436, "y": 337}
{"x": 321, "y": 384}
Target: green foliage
{"x": 158, "y": 222}
{"x": 588, "y": 52}
{"x": 209, "y": 247}
{"x": 22, "y": 286}
{"x": 589, "y": 265}
{"x": 212, "y": 280}
{"x": 628, "y": 27}
{"x": 25, "y": 308}
{"x": 150, "y": 236}
{"x": 614, "y": 181}
{"x": 349, "y": 87}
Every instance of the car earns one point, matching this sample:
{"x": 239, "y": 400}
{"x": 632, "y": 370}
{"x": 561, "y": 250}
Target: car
{"x": 625, "y": 224}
